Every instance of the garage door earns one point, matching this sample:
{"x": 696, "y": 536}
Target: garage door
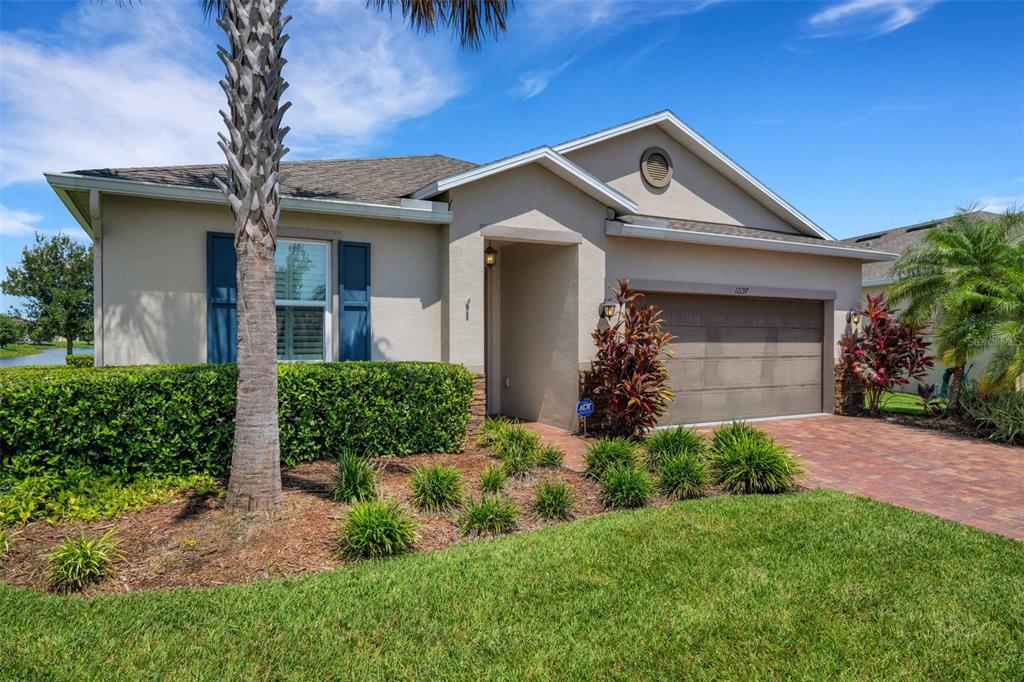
{"x": 741, "y": 358}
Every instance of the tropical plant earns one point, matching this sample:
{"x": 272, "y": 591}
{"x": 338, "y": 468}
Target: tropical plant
{"x": 490, "y": 515}
{"x": 629, "y": 369}
{"x": 930, "y": 401}
{"x": 377, "y": 528}
{"x": 606, "y": 452}
{"x": 665, "y": 443}
{"x": 437, "y": 487}
{"x": 626, "y": 487}
{"x": 356, "y": 479}
{"x": 492, "y": 479}
{"x": 967, "y": 277}
{"x": 749, "y": 461}
{"x": 683, "y": 475}
{"x": 549, "y": 456}
{"x": 54, "y": 279}
{"x": 1000, "y": 413}
{"x": 885, "y": 353}
{"x": 254, "y": 147}
{"x": 553, "y": 500}
{"x": 76, "y": 563}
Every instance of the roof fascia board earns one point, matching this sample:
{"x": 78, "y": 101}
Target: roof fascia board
{"x": 717, "y": 159}
{"x": 549, "y": 159}
{"x": 883, "y": 282}
{"x": 438, "y": 213}
{"x": 615, "y": 228}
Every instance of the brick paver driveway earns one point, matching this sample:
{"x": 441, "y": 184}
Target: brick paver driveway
{"x": 966, "y": 480}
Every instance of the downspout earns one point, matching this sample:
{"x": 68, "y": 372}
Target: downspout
{"x": 96, "y": 218}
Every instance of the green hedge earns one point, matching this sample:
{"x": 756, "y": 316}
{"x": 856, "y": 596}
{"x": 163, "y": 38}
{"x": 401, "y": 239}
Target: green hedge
{"x": 178, "y": 419}
{"x": 79, "y": 360}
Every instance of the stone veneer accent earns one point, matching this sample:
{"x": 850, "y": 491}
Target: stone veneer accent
{"x": 848, "y": 395}
{"x": 599, "y": 420}
{"x": 477, "y": 408}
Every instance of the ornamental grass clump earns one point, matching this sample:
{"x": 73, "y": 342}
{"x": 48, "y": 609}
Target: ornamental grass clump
{"x": 519, "y": 451}
{"x": 77, "y": 563}
{"x": 377, "y": 528}
{"x": 490, "y": 515}
{"x": 436, "y": 488}
{"x": 553, "y": 500}
{"x": 494, "y": 431}
{"x": 492, "y": 479}
{"x": 747, "y": 460}
{"x": 675, "y": 441}
{"x": 6, "y": 540}
{"x": 683, "y": 475}
{"x": 356, "y": 479}
{"x": 606, "y": 452}
{"x": 626, "y": 487}
{"x": 550, "y": 457}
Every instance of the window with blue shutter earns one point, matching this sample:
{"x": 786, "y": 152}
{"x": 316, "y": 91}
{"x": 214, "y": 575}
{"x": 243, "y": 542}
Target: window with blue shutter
{"x": 354, "y": 284}
{"x": 221, "y": 296}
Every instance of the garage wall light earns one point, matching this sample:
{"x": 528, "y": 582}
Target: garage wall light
{"x": 608, "y": 309}
{"x": 853, "y": 317}
{"x": 490, "y": 256}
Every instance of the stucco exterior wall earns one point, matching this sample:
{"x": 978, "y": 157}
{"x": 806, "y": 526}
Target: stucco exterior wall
{"x": 696, "y": 192}
{"x": 154, "y": 279}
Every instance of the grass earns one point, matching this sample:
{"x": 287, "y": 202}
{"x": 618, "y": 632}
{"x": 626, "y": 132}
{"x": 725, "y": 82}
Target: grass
{"x": 812, "y": 585}
{"x": 895, "y": 402}
{"x": 15, "y": 350}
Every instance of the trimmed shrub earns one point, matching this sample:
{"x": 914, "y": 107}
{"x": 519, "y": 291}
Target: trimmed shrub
{"x": 549, "y": 456}
{"x": 626, "y": 486}
{"x": 81, "y": 562}
{"x": 79, "y": 360}
{"x": 676, "y": 441}
{"x": 377, "y": 528}
{"x": 490, "y": 515}
{"x": 553, "y": 500}
{"x": 683, "y": 475}
{"x": 492, "y": 479}
{"x": 435, "y": 488}
{"x": 1001, "y": 413}
{"x": 356, "y": 480}
{"x": 179, "y": 419}
{"x": 749, "y": 461}
{"x": 605, "y": 452}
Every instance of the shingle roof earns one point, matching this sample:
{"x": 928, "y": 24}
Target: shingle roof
{"x": 898, "y": 240}
{"x": 736, "y": 231}
{"x": 383, "y": 180}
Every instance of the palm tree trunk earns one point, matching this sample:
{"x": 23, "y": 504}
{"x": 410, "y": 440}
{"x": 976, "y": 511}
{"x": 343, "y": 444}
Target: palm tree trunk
{"x": 253, "y": 148}
{"x": 956, "y": 382}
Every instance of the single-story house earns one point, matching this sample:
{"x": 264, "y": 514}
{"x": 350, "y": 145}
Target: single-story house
{"x": 384, "y": 259}
{"x": 877, "y": 278}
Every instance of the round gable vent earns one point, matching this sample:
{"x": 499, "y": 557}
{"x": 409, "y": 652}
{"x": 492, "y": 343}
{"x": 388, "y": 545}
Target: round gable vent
{"x": 656, "y": 167}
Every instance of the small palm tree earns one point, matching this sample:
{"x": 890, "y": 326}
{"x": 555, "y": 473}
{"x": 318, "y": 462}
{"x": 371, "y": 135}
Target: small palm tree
{"x": 960, "y": 278}
{"x": 254, "y": 147}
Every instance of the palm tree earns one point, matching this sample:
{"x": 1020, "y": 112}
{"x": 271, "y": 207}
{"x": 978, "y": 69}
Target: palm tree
{"x": 959, "y": 278}
{"x": 254, "y": 147}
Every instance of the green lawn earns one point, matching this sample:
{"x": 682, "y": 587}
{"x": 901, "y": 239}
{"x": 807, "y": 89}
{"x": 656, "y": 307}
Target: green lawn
{"x": 810, "y": 585}
{"x": 902, "y": 403}
{"x": 18, "y": 349}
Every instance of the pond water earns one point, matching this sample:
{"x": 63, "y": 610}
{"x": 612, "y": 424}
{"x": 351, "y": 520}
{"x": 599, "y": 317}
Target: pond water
{"x": 50, "y": 356}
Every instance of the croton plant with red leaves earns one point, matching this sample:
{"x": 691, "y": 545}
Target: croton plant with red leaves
{"x": 629, "y": 367}
{"x": 885, "y": 353}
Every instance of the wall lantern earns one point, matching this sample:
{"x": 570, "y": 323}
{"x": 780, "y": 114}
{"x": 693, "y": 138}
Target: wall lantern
{"x": 490, "y": 256}
{"x": 608, "y": 308}
{"x": 853, "y": 317}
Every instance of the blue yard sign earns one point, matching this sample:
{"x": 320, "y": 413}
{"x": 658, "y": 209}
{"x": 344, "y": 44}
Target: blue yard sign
{"x": 585, "y": 407}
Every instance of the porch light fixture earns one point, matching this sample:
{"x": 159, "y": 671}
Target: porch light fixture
{"x": 853, "y": 317}
{"x": 490, "y": 256}
{"x": 608, "y": 308}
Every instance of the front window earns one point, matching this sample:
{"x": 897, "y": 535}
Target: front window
{"x": 301, "y": 269}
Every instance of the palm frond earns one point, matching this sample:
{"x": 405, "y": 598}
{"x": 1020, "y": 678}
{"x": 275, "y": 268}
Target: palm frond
{"x": 469, "y": 20}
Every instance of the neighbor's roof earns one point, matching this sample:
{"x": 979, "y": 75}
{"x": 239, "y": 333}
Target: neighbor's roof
{"x": 383, "y": 180}
{"x": 897, "y": 240}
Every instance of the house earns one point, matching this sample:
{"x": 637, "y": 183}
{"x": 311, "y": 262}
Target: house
{"x": 877, "y": 278}
{"x": 384, "y": 259}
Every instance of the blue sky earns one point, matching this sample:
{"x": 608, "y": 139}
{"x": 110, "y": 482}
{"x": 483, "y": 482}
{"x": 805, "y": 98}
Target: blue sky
{"x": 864, "y": 114}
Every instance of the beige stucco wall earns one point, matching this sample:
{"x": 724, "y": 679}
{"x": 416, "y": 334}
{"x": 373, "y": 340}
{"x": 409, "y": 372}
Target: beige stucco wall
{"x": 697, "y": 191}
{"x": 154, "y": 279}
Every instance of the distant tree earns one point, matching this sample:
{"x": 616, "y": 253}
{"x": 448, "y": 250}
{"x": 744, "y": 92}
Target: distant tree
{"x": 55, "y": 278}
{"x": 885, "y": 354}
{"x": 10, "y": 331}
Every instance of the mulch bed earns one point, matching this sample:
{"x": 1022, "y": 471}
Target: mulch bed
{"x": 192, "y": 541}
{"x": 948, "y": 424}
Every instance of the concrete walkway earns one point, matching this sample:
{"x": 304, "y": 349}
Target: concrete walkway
{"x": 966, "y": 480}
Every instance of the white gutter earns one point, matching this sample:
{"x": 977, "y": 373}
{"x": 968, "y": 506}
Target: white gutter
{"x": 615, "y": 228}
{"x": 434, "y": 212}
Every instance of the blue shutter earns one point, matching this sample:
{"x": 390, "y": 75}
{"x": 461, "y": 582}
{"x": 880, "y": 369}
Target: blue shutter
{"x": 221, "y": 296}
{"x": 354, "y": 283}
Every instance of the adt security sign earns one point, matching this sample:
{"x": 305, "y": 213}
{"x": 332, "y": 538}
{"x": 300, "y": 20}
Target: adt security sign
{"x": 585, "y": 407}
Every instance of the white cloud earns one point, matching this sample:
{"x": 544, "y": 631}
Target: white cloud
{"x": 138, "y": 86}
{"x": 535, "y": 82}
{"x": 1001, "y": 204}
{"x": 15, "y": 222}
{"x": 867, "y": 17}
{"x": 574, "y": 20}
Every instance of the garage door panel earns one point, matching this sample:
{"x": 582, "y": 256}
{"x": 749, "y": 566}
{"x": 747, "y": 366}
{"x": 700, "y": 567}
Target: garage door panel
{"x": 741, "y": 358}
